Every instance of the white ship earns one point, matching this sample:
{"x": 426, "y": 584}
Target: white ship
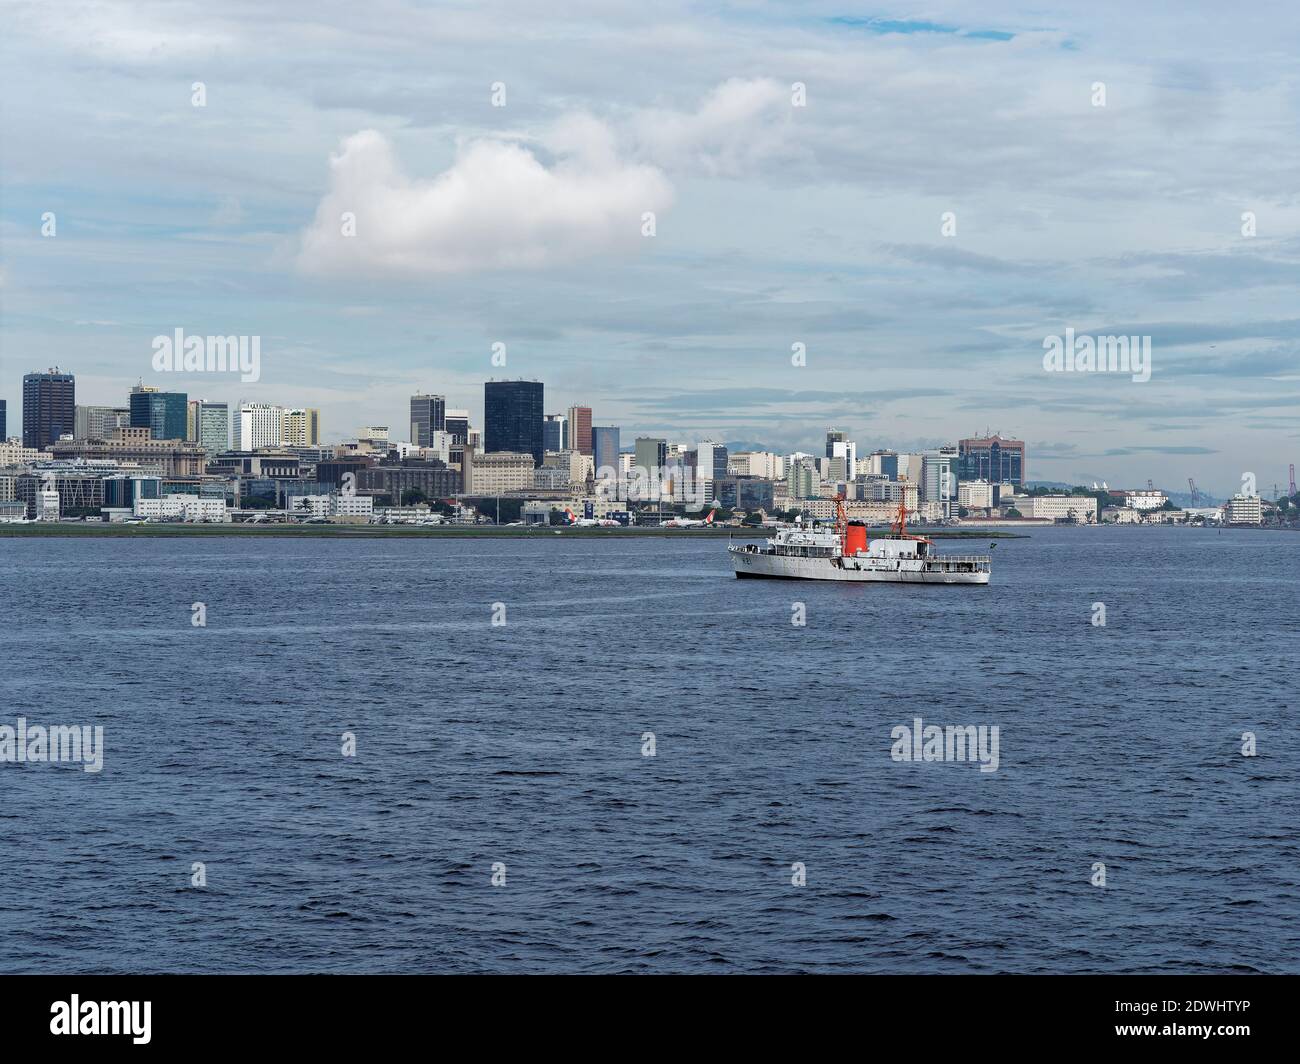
{"x": 844, "y": 552}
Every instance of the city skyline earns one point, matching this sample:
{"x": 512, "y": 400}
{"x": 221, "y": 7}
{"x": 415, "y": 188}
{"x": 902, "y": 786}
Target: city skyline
{"x": 778, "y": 222}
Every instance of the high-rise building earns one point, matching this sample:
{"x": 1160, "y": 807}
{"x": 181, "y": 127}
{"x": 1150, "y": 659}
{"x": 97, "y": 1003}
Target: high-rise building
{"x": 4, "y": 418}
{"x": 651, "y": 455}
{"x": 49, "y": 407}
{"x": 711, "y": 461}
{"x": 428, "y": 415}
{"x": 260, "y": 425}
{"x": 164, "y": 414}
{"x": 939, "y": 479}
{"x": 842, "y": 455}
{"x": 604, "y": 449}
{"x": 300, "y": 427}
{"x": 513, "y": 418}
{"x": 212, "y": 430}
{"x": 803, "y": 481}
{"x": 100, "y": 422}
{"x": 580, "y": 429}
{"x": 457, "y": 424}
{"x": 555, "y": 432}
{"x": 991, "y": 458}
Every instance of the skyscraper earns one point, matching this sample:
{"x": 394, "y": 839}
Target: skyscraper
{"x": 604, "y": 448}
{"x": 260, "y": 425}
{"x": 512, "y": 418}
{"x": 212, "y": 427}
{"x": 991, "y": 458}
{"x": 4, "y": 417}
{"x": 300, "y": 427}
{"x": 580, "y": 429}
{"x": 164, "y": 414}
{"x": 555, "y": 435}
{"x": 49, "y": 407}
{"x": 428, "y": 415}
{"x": 457, "y": 426}
{"x": 711, "y": 460}
{"x": 651, "y": 454}
{"x": 833, "y": 437}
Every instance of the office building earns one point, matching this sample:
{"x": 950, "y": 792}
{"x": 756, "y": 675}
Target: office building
{"x": 164, "y": 414}
{"x": 428, "y": 415}
{"x": 604, "y": 450}
{"x": 555, "y": 432}
{"x": 1080, "y": 508}
{"x": 99, "y": 422}
{"x": 4, "y": 420}
{"x": 172, "y": 457}
{"x": 260, "y": 425}
{"x": 651, "y": 455}
{"x": 498, "y": 472}
{"x": 513, "y": 418}
{"x": 992, "y": 458}
{"x": 300, "y": 427}
{"x": 1243, "y": 510}
{"x": 457, "y": 424}
{"x": 212, "y": 427}
{"x": 580, "y": 429}
{"x": 939, "y": 480}
{"x": 803, "y": 481}
{"x": 49, "y": 407}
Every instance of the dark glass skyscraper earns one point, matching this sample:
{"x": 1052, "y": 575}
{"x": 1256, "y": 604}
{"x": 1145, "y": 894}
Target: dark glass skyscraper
{"x": 49, "y": 407}
{"x": 164, "y": 414}
{"x": 992, "y": 458}
{"x": 428, "y": 415}
{"x": 3, "y": 418}
{"x": 512, "y": 418}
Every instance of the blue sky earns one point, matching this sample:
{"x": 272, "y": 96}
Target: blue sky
{"x": 775, "y": 224}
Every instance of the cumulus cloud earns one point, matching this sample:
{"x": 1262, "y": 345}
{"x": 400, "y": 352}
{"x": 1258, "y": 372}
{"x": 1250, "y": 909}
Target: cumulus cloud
{"x": 498, "y": 206}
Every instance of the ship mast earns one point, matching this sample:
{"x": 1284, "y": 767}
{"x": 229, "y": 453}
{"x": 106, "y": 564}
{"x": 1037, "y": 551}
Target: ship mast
{"x": 900, "y": 522}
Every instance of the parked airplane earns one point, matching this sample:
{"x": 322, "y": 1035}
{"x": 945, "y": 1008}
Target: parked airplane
{"x": 590, "y": 522}
{"x": 687, "y": 522}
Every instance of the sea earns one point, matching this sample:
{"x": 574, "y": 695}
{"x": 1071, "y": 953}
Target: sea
{"x": 583, "y": 754}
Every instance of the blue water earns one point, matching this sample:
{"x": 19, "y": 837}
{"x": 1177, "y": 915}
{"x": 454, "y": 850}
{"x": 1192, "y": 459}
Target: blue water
{"x": 521, "y": 744}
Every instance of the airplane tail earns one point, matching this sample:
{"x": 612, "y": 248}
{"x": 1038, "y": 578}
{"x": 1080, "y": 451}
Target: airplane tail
{"x": 709, "y": 520}
{"x": 569, "y": 514}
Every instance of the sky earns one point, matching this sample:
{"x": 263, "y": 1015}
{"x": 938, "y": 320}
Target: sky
{"x": 919, "y": 196}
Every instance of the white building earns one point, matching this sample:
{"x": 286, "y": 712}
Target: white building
{"x": 763, "y": 464}
{"x": 1145, "y": 500}
{"x": 260, "y": 425}
{"x": 975, "y": 494}
{"x": 335, "y": 505}
{"x": 183, "y": 507}
{"x": 47, "y": 506}
{"x": 1081, "y": 508}
{"x": 1243, "y": 510}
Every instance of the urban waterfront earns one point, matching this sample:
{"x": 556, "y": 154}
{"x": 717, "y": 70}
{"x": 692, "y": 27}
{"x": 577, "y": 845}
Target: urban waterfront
{"x": 522, "y": 744}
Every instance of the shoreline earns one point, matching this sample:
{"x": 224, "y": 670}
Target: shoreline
{"x": 75, "y": 530}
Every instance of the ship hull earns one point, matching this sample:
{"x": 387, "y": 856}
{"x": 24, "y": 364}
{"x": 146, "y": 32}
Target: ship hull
{"x": 754, "y": 565}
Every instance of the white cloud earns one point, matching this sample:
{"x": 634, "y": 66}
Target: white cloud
{"x": 738, "y": 126}
{"x": 499, "y": 206}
